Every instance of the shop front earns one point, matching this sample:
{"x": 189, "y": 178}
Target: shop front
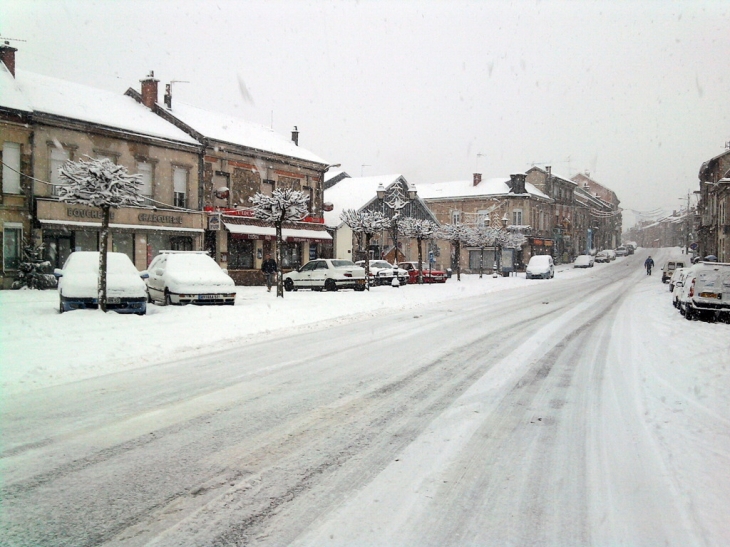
{"x": 138, "y": 232}
{"x": 243, "y": 246}
{"x": 539, "y": 246}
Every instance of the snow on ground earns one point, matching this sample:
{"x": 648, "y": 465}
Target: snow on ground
{"x": 40, "y": 347}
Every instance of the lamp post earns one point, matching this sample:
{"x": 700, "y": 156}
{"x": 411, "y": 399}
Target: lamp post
{"x": 504, "y": 220}
{"x": 396, "y": 201}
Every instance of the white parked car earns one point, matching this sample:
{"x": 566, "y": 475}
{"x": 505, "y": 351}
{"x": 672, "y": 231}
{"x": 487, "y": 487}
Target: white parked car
{"x": 676, "y": 284}
{"x": 188, "y": 277}
{"x": 583, "y": 261}
{"x": 540, "y": 266}
{"x": 329, "y": 274}
{"x": 78, "y": 283}
{"x": 382, "y": 272}
{"x": 706, "y": 291}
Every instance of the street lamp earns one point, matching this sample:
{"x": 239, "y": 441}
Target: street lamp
{"x": 396, "y": 201}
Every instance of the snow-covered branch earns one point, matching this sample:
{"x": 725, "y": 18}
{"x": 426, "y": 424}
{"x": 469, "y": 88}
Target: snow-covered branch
{"x": 364, "y": 222}
{"x": 281, "y": 206}
{"x": 99, "y": 183}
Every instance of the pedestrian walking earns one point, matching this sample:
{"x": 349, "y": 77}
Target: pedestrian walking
{"x": 269, "y": 268}
{"x": 648, "y": 264}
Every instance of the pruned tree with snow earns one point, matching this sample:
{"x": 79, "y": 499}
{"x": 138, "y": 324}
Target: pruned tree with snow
{"x": 421, "y": 230}
{"x": 34, "y": 271}
{"x": 456, "y": 234}
{"x": 482, "y": 237}
{"x": 100, "y": 183}
{"x": 285, "y": 205}
{"x": 367, "y": 223}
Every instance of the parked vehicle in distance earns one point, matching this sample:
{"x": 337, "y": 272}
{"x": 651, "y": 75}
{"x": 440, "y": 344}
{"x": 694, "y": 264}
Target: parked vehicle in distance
{"x": 429, "y": 276}
{"x": 540, "y": 266}
{"x": 188, "y": 277}
{"x": 602, "y": 257}
{"x": 78, "y": 283}
{"x": 611, "y": 254}
{"x": 621, "y": 251}
{"x": 676, "y": 284}
{"x": 383, "y": 272}
{"x": 671, "y": 264}
{"x": 706, "y": 291}
{"x": 583, "y": 261}
{"x": 329, "y": 274}
{"x": 630, "y": 248}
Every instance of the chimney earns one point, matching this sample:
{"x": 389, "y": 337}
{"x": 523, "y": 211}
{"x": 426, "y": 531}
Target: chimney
{"x": 477, "y": 178}
{"x": 517, "y": 183}
{"x": 168, "y": 96}
{"x": 549, "y": 170}
{"x": 7, "y": 56}
{"x": 295, "y": 136}
{"x": 149, "y": 90}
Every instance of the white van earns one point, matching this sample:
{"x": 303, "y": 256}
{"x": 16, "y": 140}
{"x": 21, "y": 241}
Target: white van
{"x": 671, "y": 264}
{"x": 706, "y": 290}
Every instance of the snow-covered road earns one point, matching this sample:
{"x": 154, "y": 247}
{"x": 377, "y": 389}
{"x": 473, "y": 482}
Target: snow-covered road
{"x": 578, "y": 411}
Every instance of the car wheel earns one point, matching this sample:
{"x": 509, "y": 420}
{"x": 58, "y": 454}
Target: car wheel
{"x": 688, "y": 314}
{"x": 330, "y": 285}
{"x": 168, "y": 299}
{"x": 359, "y": 288}
{"x": 60, "y": 306}
{"x": 149, "y": 298}
{"x": 288, "y": 285}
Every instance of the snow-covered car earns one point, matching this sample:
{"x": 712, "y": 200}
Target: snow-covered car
{"x": 540, "y": 266}
{"x": 611, "y": 254}
{"x": 429, "y": 276}
{"x": 621, "y": 251}
{"x": 78, "y": 283}
{"x": 671, "y": 264}
{"x": 602, "y": 257}
{"x": 583, "y": 261}
{"x": 677, "y": 275}
{"x": 706, "y": 290}
{"x": 382, "y": 272}
{"x": 188, "y": 277}
{"x": 327, "y": 274}
{"x": 676, "y": 284}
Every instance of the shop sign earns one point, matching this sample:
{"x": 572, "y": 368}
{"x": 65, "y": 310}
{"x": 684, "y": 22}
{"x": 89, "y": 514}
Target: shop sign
{"x": 162, "y": 219}
{"x": 537, "y": 242}
{"x": 214, "y": 223}
{"x": 77, "y": 212}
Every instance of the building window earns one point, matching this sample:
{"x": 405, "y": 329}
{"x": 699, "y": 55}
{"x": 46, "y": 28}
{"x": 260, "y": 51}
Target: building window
{"x": 482, "y": 218}
{"x": 455, "y": 217}
{"x": 11, "y": 168}
{"x": 180, "y": 186}
{"x": 517, "y": 217}
{"x": 240, "y": 254}
{"x": 59, "y": 156}
{"x": 146, "y": 172}
{"x": 291, "y": 255}
{"x": 12, "y": 244}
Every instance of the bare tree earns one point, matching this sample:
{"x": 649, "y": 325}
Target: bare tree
{"x": 367, "y": 223}
{"x": 281, "y": 206}
{"x": 421, "y": 230}
{"x": 456, "y": 234}
{"x": 100, "y": 183}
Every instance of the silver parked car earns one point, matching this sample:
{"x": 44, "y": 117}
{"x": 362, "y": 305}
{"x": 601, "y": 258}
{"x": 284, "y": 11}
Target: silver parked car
{"x": 382, "y": 272}
{"x": 540, "y": 266}
{"x": 329, "y": 274}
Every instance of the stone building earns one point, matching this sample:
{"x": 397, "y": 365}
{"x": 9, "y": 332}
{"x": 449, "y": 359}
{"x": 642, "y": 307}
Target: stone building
{"x": 238, "y": 160}
{"x": 604, "y": 212}
{"x": 713, "y": 229}
{"x": 46, "y": 121}
{"x": 511, "y": 202}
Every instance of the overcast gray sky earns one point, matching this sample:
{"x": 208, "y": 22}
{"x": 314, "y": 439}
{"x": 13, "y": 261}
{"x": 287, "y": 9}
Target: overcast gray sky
{"x": 635, "y": 92}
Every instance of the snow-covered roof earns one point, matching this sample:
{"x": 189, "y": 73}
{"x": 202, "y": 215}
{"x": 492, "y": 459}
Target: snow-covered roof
{"x": 10, "y": 94}
{"x": 80, "y": 102}
{"x": 230, "y": 129}
{"x": 353, "y": 193}
{"x": 554, "y": 174}
{"x": 466, "y": 189}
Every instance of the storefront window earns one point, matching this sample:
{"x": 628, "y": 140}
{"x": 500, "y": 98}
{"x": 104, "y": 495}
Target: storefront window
{"x": 12, "y": 241}
{"x": 157, "y": 242}
{"x": 291, "y": 255}
{"x": 240, "y": 254}
{"x": 181, "y": 243}
{"x": 123, "y": 243}
{"x": 86, "y": 241}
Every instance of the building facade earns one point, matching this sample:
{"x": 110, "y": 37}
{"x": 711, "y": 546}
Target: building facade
{"x": 713, "y": 208}
{"x": 605, "y": 218}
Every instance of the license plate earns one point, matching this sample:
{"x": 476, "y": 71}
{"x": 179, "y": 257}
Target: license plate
{"x": 360, "y": 281}
{"x": 710, "y": 295}
{"x": 206, "y": 297}
{"x": 113, "y": 300}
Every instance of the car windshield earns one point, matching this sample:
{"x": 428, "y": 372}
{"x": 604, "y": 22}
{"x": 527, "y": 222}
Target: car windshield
{"x": 88, "y": 262}
{"x": 342, "y": 263}
{"x": 583, "y": 259}
{"x": 379, "y": 264}
{"x": 192, "y": 262}
{"x": 542, "y": 260}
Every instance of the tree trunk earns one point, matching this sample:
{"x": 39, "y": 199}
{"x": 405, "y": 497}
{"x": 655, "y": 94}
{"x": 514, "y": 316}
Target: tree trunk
{"x": 367, "y": 260}
{"x": 104, "y": 237}
{"x": 457, "y": 253}
{"x": 279, "y": 275}
{"x": 481, "y": 262}
{"x": 420, "y": 262}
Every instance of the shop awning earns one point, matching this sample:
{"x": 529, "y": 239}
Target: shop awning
{"x": 97, "y": 225}
{"x": 269, "y": 232}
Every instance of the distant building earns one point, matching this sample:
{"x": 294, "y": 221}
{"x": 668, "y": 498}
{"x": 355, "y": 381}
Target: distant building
{"x": 604, "y": 212}
{"x": 713, "y": 208}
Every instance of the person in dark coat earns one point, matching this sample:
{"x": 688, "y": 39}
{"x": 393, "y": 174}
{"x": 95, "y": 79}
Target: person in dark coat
{"x": 269, "y": 268}
{"x": 648, "y": 264}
